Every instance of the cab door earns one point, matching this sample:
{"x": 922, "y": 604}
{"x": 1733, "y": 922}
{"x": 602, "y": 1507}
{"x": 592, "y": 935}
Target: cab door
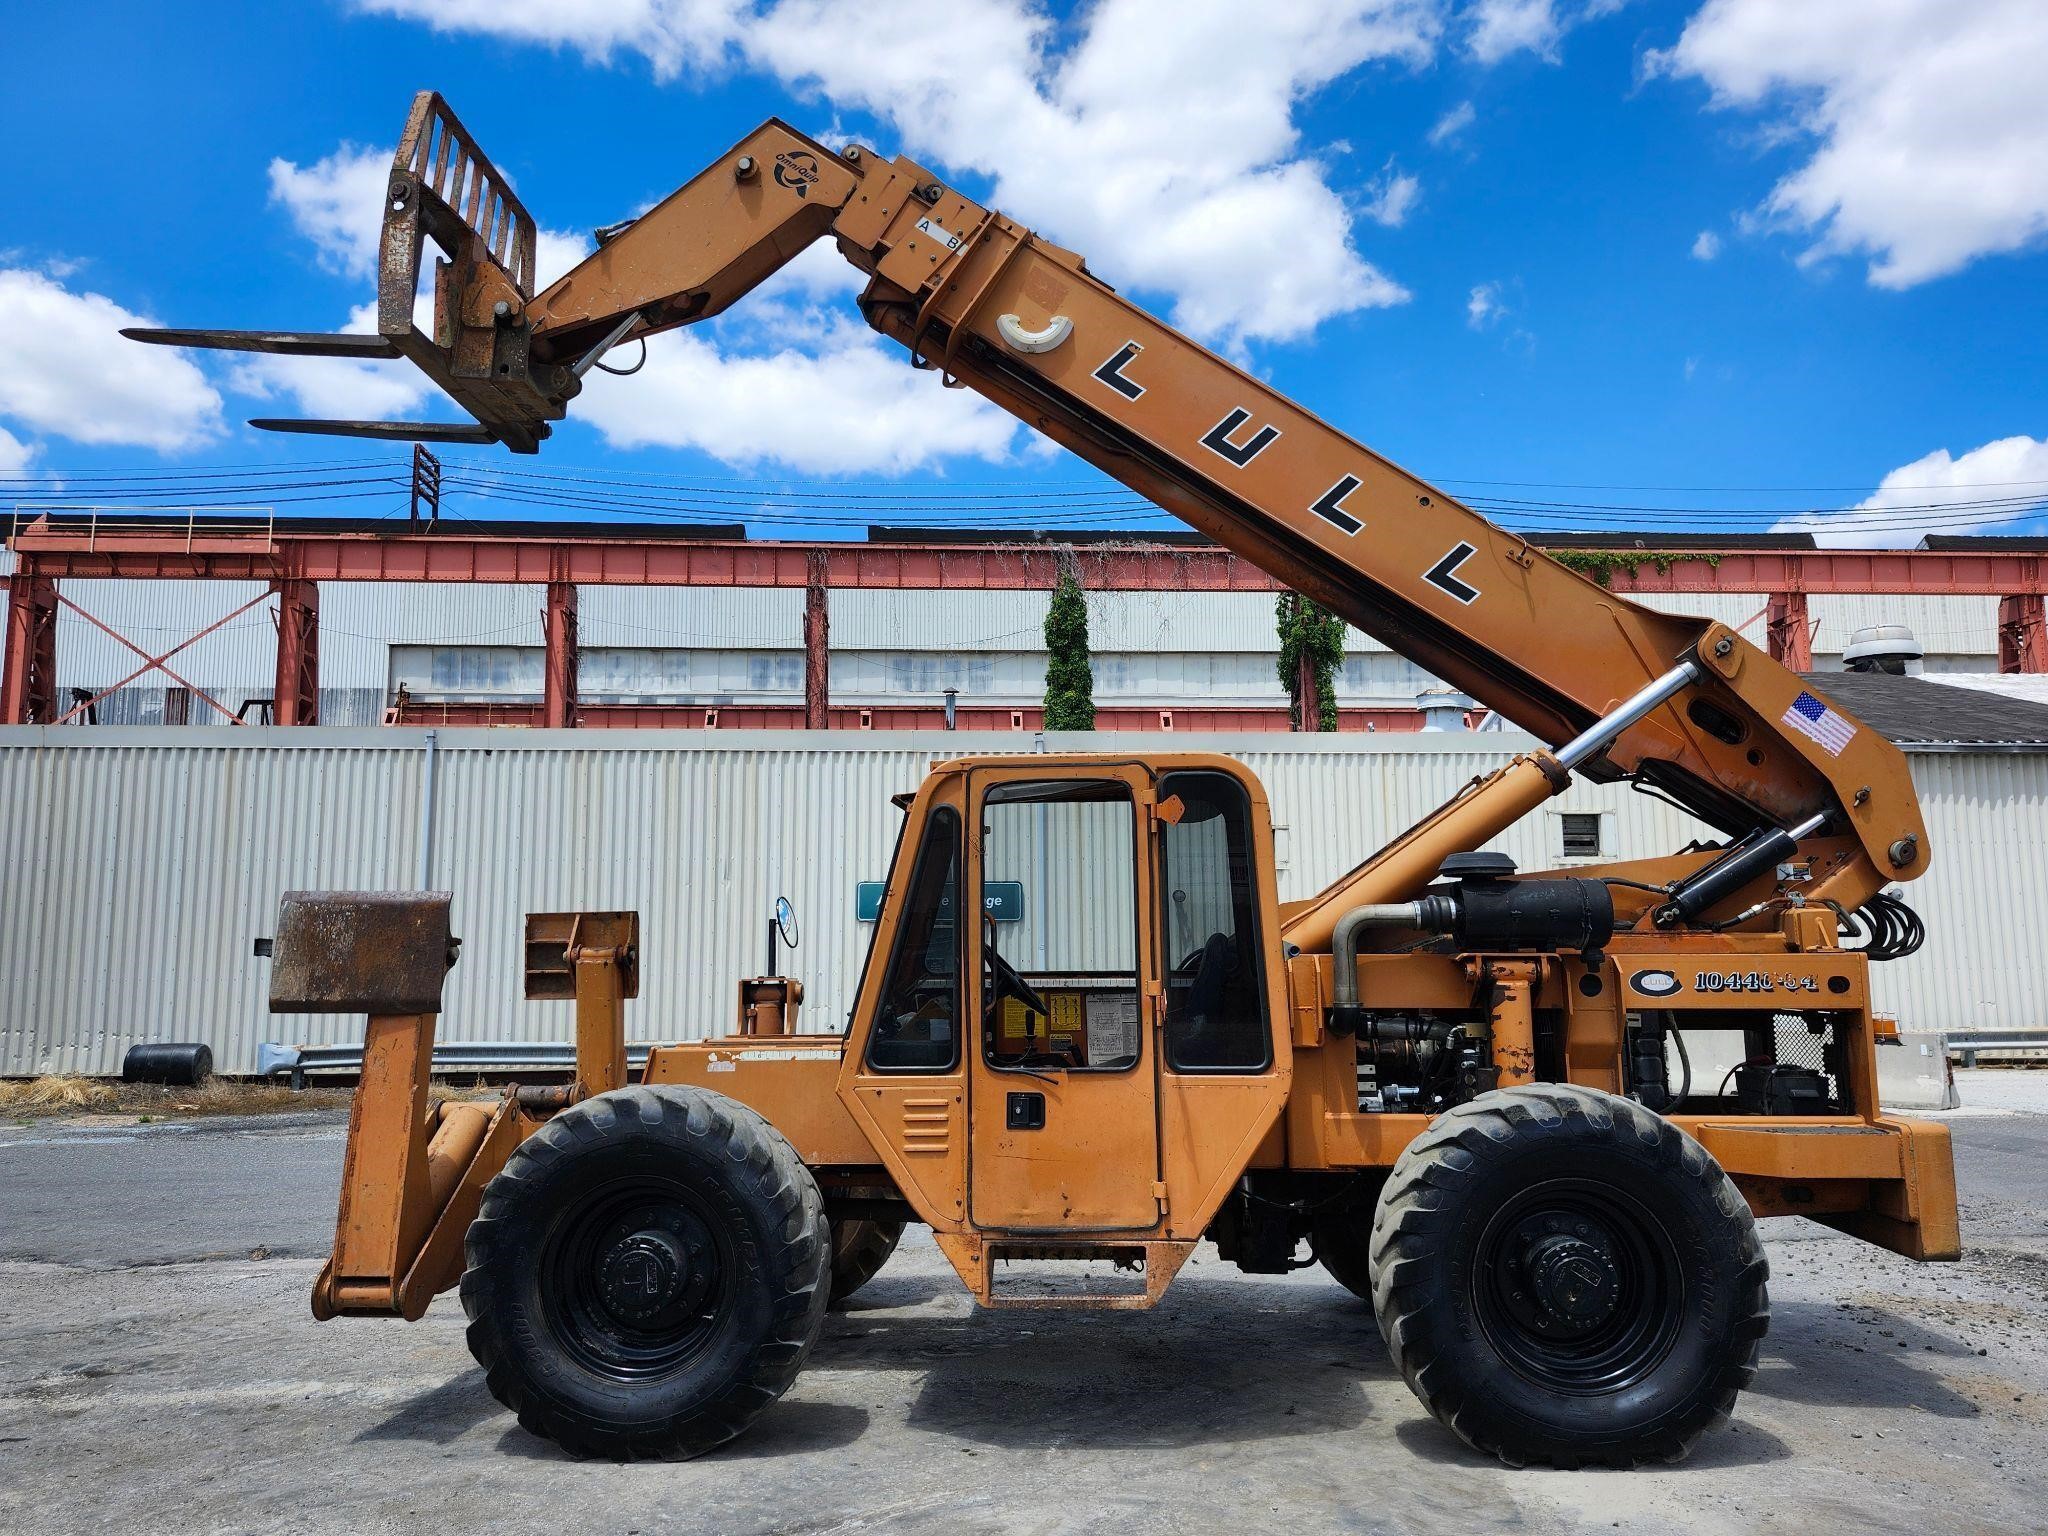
{"x": 1063, "y": 1001}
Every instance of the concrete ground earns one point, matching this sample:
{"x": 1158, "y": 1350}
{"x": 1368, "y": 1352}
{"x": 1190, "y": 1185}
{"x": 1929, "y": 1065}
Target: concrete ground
{"x": 159, "y": 1371}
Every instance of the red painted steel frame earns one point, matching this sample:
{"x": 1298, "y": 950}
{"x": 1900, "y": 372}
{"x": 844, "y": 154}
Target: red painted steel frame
{"x": 294, "y": 562}
{"x": 296, "y": 697}
{"x": 2022, "y": 633}
{"x": 551, "y": 555}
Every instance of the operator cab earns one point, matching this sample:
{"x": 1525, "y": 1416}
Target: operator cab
{"x": 1071, "y": 1019}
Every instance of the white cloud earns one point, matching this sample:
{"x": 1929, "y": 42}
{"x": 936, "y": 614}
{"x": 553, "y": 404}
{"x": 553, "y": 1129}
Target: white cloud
{"x": 670, "y": 34}
{"x": 1707, "y": 246}
{"x": 338, "y": 387}
{"x": 1502, "y": 27}
{"x": 14, "y": 453}
{"x": 71, "y": 373}
{"x": 793, "y": 378}
{"x": 555, "y": 252}
{"x": 1485, "y": 306}
{"x": 1160, "y": 140}
{"x": 1940, "y": 493}
{"x": 1926, "y": 121}
{"x": 1447, "y": 128}
{"x": 1161, "y": 143}
{"x": 337, "y": 203}
{"x": 1392, "y": 197}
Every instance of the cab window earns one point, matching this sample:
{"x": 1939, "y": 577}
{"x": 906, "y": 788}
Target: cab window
{"x": 915, "y": 1021}
{"x": 1060, "y": 926}
{"x": 1215, "y": 990}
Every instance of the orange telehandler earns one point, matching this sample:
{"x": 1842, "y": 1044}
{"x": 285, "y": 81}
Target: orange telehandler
{"x": 1465, "y": 1088}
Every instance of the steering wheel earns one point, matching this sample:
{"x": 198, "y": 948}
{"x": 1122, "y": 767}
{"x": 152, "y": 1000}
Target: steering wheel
{"x": 1008, "y": 982}
{"x": 1191, "y": 963}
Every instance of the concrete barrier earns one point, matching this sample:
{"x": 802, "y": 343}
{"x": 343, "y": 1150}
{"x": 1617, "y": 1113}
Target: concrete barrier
{"x": 1914, "y": 1074}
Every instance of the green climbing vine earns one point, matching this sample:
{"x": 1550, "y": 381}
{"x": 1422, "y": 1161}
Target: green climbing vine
{"x": 1308, "y": 630}
{"x": 1069, "y": 679}
{"x": 1601, "y": 564}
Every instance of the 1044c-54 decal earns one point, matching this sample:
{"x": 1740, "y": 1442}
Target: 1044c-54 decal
{"x": 1666, "y": 983}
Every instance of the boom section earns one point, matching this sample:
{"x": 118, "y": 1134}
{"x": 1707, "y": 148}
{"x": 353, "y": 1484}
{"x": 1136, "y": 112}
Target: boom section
{"x": 1745, "y": 745}
{"x": 1023, "y": 322}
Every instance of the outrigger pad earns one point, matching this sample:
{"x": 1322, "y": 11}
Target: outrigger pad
{"x": 377, "y": 952}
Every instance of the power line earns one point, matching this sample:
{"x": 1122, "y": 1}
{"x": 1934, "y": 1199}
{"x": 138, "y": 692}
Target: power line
{"x": 1050, "y": 505}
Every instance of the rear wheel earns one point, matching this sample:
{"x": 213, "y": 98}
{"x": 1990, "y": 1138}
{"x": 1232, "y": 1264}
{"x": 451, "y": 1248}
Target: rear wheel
{"x": 1564, "y": 1277}
{"x": 647, "y": 1274}
{"x": 859, "y": 1250}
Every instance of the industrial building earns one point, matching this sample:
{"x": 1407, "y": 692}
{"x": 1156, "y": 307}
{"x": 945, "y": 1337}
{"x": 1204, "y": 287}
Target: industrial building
{"x": 148, "y": 859}
{"x": 591, "y": 625}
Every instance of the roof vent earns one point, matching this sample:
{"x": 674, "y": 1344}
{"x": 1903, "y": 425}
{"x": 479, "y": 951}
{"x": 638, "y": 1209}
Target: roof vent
{"x": 1443, "y": 709}
{"x": 1883, "y": 648}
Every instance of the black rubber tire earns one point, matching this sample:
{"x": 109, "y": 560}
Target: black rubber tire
{"x": 686, "y": 1155}
{"x": 1444, "y": 1225}
{"x": 859, "y": 1250}
{"x": 1344, "y": 1249}
{"x": 1342, "y": 1236}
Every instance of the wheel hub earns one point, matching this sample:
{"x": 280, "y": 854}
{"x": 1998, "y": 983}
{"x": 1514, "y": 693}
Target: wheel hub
{"x": 1572, "y": 1281}
{"x": 642, "y": 1274}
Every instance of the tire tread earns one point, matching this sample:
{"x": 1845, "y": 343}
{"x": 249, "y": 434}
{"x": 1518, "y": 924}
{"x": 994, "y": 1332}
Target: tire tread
{"x": 1418, "y": 1204}
{"x": 771, "y": 1172}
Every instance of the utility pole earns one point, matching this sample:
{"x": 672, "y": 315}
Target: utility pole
{"x": 426, "y": 487}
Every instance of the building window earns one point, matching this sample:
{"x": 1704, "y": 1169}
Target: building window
{"x": 1580, "y": 831}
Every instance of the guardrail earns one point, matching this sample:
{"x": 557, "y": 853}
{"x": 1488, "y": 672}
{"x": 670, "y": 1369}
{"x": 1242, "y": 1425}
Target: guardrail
{"x": 300, "y": 1061}
{"x": 1969, "y": 1046}
{"x": 191, "y": 530}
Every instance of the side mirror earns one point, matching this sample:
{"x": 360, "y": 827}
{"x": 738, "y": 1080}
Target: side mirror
{"x": 781, "y": 928}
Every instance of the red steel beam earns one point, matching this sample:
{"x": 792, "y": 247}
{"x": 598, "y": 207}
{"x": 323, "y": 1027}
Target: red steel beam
{"x": 28, "y": 671}
{"x": 559, "y": 681}
{"x": 2022, "y": 633}
{"x": 1790, "y": 631}
{"x": 295, "y": 700}
{"x": 552, "y": 556}
{"x": 1308, "y": 701}
{"x": 817, "y": 646}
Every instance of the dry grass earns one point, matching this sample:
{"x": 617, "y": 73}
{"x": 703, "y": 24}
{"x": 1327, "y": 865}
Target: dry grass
{"x": 28, "y": 1098}
{"x": 54, "y": 1094}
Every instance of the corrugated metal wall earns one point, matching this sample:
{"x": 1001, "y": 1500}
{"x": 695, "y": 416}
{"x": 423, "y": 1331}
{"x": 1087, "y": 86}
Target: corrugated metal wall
{"x": 141, "y": 863}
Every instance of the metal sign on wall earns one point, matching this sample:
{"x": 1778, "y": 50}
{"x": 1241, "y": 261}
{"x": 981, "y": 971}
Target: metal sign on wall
{"x": 1002, "y": 900}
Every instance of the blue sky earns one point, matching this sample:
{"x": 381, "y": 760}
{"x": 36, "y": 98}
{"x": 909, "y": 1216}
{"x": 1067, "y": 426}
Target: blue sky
{"x": 1757, "y": 255}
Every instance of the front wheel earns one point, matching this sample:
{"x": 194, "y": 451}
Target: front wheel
{"x": 647, "y": 1274}
{"x": 1564, "y": 1277}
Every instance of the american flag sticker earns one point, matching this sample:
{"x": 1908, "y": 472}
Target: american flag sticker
{"x": 1831, "y": 728}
